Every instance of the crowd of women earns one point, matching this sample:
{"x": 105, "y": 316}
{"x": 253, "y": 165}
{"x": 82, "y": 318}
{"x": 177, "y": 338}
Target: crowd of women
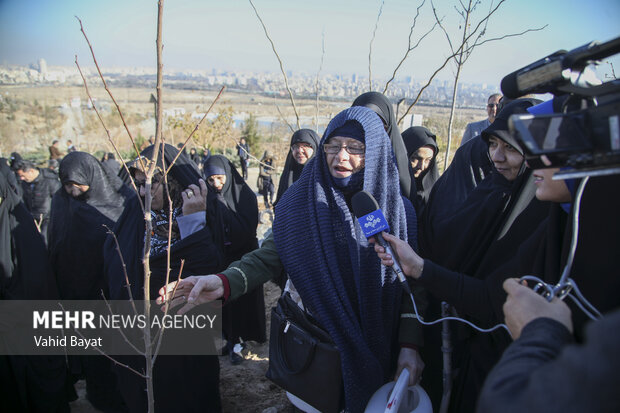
{"x": 459, "y": 237}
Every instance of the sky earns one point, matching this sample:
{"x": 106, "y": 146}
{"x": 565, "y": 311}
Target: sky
{"x": 226, "y": 35}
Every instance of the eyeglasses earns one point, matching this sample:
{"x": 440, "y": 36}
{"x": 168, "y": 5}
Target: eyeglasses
{"x": 298, "y": 146}
{"x": 351, "y": 149}
{"x": 492, "y": 105}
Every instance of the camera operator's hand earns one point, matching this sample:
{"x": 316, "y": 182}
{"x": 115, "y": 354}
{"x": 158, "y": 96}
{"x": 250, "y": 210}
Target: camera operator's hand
{"x": 524, "y": 305}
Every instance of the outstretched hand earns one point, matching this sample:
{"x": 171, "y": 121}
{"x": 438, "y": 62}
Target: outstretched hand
{"x": 410, "y": 262}
{"x": 191, "y": 291}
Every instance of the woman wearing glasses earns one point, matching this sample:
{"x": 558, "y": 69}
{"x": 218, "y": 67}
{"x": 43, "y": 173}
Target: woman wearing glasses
{"x": 319, "y": 243}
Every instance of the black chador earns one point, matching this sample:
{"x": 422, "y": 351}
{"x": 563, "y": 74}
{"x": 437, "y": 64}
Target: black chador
{"x": 181, "y": 383}
{"x": 27, "y": 383}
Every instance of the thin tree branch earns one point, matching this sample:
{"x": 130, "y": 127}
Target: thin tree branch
{"x": 170, "y": 219}
{"x": 160, "y": 334}
{"x": 234, "y": 141}
{"x": 483, "y": 21}
{"x": 428, "y": 83}
{"x": 372, "y": 39}
{"x": 96, "y": 348}
{"x": 467, "y": 46}
{"x": 409, "y": 47}
{"x": 120, "y": 254}
{"x": 120, "y": 330}
{"x": 283, "y": 118}
{"x": 438, "y": 20}
{"x": 105, "y": 85}
{"x": 194, "y": 130}
{"x": 506, "y": 36}
{"x": 459, "y": 65}
{"x": 39, "y": 222}
{"x": 273, "y": 47}
{"x": 135, "y": 188}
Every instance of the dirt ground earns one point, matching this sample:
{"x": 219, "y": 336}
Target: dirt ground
{"x": 244, "y": 387}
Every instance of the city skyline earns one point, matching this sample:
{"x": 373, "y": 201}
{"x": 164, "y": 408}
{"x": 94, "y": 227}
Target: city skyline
{"x": 227, "y": 35}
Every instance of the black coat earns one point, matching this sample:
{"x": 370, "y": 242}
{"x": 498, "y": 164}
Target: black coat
{"x": 542, "y": 365}
{"x": 37, "y": 196}
{"x": 233, "y": 218}
{"x": 469, "y": 167}
{"x": 27, "y": 383}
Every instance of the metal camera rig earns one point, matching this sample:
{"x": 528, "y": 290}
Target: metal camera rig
{"x": 580, "y": 128}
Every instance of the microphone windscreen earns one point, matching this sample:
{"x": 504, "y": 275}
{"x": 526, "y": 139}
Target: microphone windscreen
{"x": 363, "y": 203}
{"x": 368, "y": 214}
{"x": 509, "y": 86}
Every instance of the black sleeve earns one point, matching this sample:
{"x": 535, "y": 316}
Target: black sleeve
{"x": 468, "y": 295}
{"x": 481, "y": 299}
{"x": 539, "y": 372}
{"x": 238, "y": 227}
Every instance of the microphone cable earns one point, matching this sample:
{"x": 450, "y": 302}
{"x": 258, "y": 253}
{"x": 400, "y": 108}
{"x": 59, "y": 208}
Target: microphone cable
{"x": 450, "y": 318}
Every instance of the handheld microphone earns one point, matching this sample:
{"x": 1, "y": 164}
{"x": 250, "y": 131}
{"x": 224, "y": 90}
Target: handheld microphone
{"x": 372, "y": 221}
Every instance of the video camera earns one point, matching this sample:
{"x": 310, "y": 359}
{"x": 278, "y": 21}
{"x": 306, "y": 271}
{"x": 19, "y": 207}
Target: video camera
{"x": 580, "y": 127}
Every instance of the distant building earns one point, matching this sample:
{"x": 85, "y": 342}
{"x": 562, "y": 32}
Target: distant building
{"x": 42, "y": 67}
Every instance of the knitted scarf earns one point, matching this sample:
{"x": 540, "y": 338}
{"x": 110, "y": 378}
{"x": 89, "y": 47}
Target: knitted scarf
{"x": 335, "y": 270}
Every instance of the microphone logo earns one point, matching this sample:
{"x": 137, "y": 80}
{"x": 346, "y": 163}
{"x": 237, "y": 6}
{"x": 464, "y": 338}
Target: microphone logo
{"x": 373, "y": 223}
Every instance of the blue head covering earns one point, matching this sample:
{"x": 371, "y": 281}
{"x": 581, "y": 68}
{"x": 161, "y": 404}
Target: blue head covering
{"x": 334, "y": 269}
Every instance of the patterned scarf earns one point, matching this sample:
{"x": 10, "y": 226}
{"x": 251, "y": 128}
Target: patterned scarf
{"x": 159, "y": 237}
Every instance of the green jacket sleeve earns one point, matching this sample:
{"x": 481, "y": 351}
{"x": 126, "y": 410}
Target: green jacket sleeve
{"x": 253, "y": 269}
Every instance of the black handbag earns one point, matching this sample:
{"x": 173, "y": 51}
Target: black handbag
{"x": 303, "y": 360}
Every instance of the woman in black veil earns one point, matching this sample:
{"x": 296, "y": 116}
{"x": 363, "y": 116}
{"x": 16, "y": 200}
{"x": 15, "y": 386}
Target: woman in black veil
{"x": 233, "y": 217}
{"x": 381, "y": 105}
{"x": 188, "y": 383}
{"x": 462, "y": 254}
{"x": 27, "y": 383}
{"x": 90, "y": 200}
{"x": 304, "y": 144}
{"x": 422, "y": 151}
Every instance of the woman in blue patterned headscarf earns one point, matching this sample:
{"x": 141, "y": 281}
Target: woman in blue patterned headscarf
{"x": 331, "y": 265}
